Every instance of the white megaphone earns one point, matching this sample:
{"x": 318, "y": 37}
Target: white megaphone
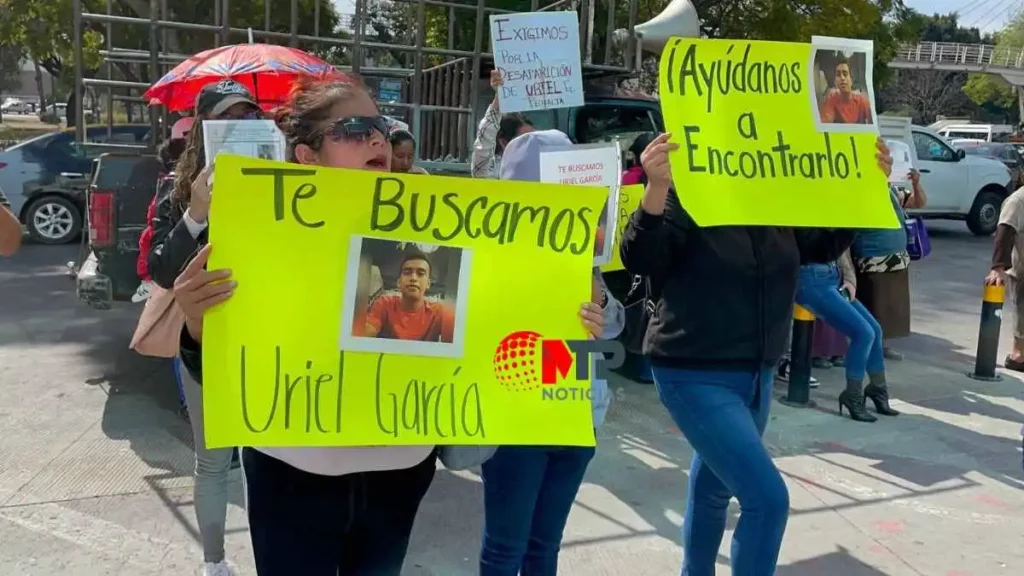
{"x": 679, "y": 18}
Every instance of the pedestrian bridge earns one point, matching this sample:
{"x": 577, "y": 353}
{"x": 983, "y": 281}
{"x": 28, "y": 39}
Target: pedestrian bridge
{"x": 954, "y": 57}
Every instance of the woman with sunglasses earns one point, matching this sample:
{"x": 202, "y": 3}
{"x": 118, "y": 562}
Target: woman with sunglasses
{"x": 323, "y": 511}
{"x": 179, "y": 230}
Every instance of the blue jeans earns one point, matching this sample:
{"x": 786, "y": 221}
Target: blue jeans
{"x": 723, "y": 415}
{"x": 177, "y": 379}
{"x": 528, "y": 492}
{"x": 819, "y": 292}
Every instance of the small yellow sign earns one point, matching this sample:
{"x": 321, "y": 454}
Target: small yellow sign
{"x": 382, "y": 309}
{"x": 774, "y": 133}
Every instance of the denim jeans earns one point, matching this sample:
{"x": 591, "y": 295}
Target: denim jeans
{"x": 723, "y": 415}
{"x": 819, "y": 292}
{"x": 528, "y": 492}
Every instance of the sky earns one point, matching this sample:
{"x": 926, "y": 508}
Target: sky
{"x": 988, "y": 15}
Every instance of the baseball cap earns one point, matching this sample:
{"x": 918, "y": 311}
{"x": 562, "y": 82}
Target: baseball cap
{"x": 215, "y": 98}
{"x": 521, "y": 160}
{"x": 182, "y": 127}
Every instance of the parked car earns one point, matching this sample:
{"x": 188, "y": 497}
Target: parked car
{"x": 123, "y": 185}
{"x": 17, "y": 107}
{"x": 959, "y": 187}
{"x": 31, "y": 174}
{"x": 1006, "y": 153}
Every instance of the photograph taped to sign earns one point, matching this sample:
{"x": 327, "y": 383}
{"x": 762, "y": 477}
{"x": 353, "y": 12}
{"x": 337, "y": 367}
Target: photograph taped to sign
{"x": 254, "y": 138}
{"x": 841, "y": 72}
{"x": 598, "y": 164}
{"x": 405, "y": 298}
{"x": 538, "y": 56}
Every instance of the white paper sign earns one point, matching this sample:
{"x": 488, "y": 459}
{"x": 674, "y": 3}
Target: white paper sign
{"x": 589, "y": 165}
{"x": 902, "y": 161}
{"x": 256, "y": 138}
{"x": 538, "y": 55}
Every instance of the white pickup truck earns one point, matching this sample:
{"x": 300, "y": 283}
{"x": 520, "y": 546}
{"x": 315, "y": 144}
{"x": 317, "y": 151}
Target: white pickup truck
{"x": 959, "y": 187}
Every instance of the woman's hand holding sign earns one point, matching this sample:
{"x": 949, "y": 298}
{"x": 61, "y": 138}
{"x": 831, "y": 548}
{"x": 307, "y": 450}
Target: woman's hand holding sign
{"x": 199, "y": 203}
{"x": 197, "y": 290}
{"x": 659, "y": 173}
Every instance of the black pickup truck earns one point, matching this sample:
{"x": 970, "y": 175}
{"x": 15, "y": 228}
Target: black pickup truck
{"x": 117, "y": 200}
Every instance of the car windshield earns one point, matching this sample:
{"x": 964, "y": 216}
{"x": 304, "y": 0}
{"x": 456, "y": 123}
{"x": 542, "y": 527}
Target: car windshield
{"x": 31, "y": 141}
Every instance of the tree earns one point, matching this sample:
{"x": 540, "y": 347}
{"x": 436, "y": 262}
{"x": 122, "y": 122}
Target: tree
{"x": 45, "y": 29}
{"x": 925, "y": 94}
{"x": 10, "y": 69}
{"x": 992, "y": 89}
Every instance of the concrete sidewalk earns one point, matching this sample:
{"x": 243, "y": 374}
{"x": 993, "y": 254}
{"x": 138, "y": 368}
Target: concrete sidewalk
{"x": 95, "y": 466}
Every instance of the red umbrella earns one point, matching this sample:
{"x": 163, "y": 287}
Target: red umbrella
{"x": 267, "y": 70}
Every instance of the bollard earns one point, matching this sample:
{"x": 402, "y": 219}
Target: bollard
{"x": 799, "y": 392}
{"x": 988, "y": 334}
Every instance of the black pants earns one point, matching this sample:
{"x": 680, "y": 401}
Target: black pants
{"x": 353, "y": 525}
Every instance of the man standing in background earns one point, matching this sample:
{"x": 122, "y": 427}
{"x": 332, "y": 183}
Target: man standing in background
{"x": 1007, "y": 269}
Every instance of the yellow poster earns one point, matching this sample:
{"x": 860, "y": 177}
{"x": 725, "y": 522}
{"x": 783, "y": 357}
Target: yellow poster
{"x": 629, "y": 201}
{"x": 380, "y": 309}
{"x": 774, "y": 133}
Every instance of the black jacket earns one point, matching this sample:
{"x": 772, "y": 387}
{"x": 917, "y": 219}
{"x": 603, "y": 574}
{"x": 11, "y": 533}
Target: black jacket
{"x": 173, "y": 245}
{"x": 725, "y": 293}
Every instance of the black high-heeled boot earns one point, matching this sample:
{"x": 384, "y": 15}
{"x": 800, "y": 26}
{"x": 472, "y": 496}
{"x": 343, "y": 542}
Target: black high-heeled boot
{"x": 853, "y": 401}
{"x": 878, "y": 392}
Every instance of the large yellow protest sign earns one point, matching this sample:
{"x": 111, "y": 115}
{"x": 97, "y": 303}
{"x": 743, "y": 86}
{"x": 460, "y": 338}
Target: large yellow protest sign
{"x": 383, "y": 309}
{"x": 774, "y": 133}
{"x": 629, "y": 201}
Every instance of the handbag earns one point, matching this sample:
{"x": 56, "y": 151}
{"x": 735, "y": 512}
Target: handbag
{"x": 465, "y": 457}
{"x": 639, "y": 308}
{"x": 919, "y": 245}
{"x": 158, "y": 332}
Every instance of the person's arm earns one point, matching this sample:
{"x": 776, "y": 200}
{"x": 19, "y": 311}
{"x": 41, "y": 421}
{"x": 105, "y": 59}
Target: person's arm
{"x": 1002, "y": 247}
{"x": 375, "y": 318}
{"x": 849, "y": 273}
{"x": 10, "y": 229}
{"x": 614, "y": 311}
{"x": 175, "y": 240}
{"x": 650, "y": 239}
{"x": 827, "y": 111}
{"x": 821, "y": 246}
{"x": 917, "y": 198}
{"x": 486, "y": 136}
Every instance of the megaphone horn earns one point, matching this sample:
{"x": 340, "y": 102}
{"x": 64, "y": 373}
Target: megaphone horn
{"x": 679, "y": 18}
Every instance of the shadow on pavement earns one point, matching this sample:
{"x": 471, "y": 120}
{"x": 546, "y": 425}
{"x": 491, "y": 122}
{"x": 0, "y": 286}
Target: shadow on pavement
{"x": 840, "y": 563}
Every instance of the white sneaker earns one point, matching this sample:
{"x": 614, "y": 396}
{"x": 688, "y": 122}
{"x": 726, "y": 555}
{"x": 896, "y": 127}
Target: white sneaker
{"x": 219, "y": 569}
{"x": 142, "y": 292}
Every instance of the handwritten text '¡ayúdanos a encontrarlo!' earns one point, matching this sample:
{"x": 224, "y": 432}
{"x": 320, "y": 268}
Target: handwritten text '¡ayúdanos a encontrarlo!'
{"x": 735, "y": 74}
{"x": 310, "y": 399}
{"x": 446, "y": 215}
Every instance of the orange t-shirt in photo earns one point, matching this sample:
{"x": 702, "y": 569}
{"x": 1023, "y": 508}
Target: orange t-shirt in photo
{"x": 432, "y": 322}
{"x": 839, "y": 110}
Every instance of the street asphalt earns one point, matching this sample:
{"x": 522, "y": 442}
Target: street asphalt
{"x": 95, "y": 463}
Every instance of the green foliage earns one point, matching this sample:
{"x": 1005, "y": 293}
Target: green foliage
{"x": 990, "y": 89}
{"x": 43, "y": 28}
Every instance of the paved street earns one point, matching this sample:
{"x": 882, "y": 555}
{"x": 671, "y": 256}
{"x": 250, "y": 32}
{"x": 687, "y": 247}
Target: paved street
{"x": 95, "y": 464}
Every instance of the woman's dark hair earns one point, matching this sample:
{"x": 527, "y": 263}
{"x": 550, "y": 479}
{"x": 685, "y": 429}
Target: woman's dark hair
{"x": 169, "y": 152}
{"x": 190, "y": 164}
{"x": 508, "y": 128}
{"x": 309, "y": 106}
{"x": 400, "y": 137}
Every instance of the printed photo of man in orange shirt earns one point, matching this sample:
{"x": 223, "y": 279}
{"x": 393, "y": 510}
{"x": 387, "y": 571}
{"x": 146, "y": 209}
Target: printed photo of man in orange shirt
{"x": 842, "y": 105}
{"x": 409, "y": 315}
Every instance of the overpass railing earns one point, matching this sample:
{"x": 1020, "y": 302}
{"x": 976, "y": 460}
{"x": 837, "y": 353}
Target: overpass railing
{"x": 956, "y": 54}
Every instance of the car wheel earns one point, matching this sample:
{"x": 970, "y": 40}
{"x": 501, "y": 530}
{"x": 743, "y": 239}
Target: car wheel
{"x": 53, "y": 220}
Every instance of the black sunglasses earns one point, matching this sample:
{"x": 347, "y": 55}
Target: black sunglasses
{"x": 357, "y": 128}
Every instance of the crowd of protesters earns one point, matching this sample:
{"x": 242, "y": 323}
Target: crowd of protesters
{"x": 350, "y": 511}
